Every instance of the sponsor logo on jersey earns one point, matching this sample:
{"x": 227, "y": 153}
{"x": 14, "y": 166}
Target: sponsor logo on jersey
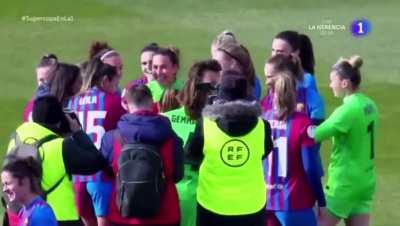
{"x": 182, "y": 119}
{"x": 311, "y": 131}
{"x": 275, "y": 186}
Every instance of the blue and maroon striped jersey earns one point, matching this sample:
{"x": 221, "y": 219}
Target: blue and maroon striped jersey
{"x": 288, "y": 186}
{"x": 98, "y": 112}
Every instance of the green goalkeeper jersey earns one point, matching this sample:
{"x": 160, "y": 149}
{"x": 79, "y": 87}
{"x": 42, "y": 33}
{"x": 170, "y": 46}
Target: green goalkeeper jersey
{"x": 353, "y": 129}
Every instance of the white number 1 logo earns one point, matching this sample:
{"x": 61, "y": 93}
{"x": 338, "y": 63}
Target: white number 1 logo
{"x": 360, "y": 28}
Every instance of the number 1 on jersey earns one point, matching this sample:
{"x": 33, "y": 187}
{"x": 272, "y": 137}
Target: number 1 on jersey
{"x": 370, "y": 130}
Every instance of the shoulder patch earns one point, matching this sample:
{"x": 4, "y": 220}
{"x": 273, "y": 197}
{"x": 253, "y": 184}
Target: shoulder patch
{"x": 311, "y": 131}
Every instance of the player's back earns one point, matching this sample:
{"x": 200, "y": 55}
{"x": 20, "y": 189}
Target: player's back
{"x": 354, "y": 150}
{"x": 288, "y": 187}
{"x": 361, "y": 134}
{"x": 181, "y": 123}
{"x": 98, "y": 112}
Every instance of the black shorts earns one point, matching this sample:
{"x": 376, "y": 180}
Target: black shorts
{"x": 208, "y": 218}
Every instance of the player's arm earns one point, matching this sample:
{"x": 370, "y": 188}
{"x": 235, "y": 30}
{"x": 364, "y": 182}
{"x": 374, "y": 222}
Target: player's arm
{"x": 316, "y": 106}
{"x": 114, "y": 112}
{"x": 81, "y": 156}
{"x": 268, "y": 144}
{"x": 339, "y": 122}
{"x": 194, "y": 152}
{"x": 178, "y": 156}
{"x": 312, "y": 164}
{"x": 309, "y": 82}
{"x": 106, "y": 147}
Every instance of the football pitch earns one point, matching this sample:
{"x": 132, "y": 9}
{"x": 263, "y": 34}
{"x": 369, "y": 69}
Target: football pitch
{"x": 29, "y": 29}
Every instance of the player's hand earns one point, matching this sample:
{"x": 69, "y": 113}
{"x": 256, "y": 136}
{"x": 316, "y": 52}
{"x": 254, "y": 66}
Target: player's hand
{"x": 295, "y": 58}
{"x": 73, "y": 124}
{"x": 321, "y": 212}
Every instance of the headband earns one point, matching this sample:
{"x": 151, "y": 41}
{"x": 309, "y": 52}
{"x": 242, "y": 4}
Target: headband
{"x": 106, "y": 54}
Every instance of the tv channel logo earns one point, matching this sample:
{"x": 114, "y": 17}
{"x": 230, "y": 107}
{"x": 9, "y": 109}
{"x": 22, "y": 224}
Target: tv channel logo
{"x": 360, "y": 28}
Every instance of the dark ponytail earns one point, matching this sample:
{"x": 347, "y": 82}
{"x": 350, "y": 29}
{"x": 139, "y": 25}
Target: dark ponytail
{"x": 306, "y": 54}
{"x": 303, "y": 44}
{"x": 291, "y": 37}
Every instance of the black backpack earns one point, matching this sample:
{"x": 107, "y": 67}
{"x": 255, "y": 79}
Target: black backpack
{"x": 140, "y": 181}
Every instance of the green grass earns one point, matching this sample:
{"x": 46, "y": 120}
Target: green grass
{"x": 191, "y": 25}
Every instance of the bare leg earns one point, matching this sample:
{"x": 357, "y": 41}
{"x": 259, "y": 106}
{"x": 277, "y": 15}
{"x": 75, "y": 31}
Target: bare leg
{"x": 89, "y": 221}
{"x": 326, "y": 218}
{"x": 358, "y": 220}
{"x": 102, "y": 221}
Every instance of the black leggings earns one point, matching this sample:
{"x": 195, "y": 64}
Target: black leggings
{"x": 208, "y": 218}
{"x": 70, "y": 223}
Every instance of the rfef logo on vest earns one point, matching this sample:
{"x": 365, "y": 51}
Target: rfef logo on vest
{"x": 235, "y": 153}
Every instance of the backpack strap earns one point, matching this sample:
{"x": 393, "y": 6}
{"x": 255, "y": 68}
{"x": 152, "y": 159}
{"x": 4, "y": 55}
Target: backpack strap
{"x": 45, "y": 139}
{"x": 17, "y": 140}
{"x": 50, "y": 190}
{"x": 39, "y": 143}
{"x": 14, "y": 136}
{"x": 117, "y": 148}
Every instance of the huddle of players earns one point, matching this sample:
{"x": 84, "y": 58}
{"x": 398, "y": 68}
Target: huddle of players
{"x": 230, "y": 176}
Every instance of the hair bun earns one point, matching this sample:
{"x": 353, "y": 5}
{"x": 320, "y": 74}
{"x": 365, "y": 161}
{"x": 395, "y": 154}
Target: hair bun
{"x": 175, "y": 50}
{"x": 224, "y": 38}
{"x": 96, "y": 47}
{"x": 355, "y": 61}
{"x": 227, "y": 33}
{"x": 153, "y": 44}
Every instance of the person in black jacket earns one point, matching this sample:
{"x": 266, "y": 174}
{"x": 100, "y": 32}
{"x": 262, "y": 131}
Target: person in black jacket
{"x": 70, "y": 152}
